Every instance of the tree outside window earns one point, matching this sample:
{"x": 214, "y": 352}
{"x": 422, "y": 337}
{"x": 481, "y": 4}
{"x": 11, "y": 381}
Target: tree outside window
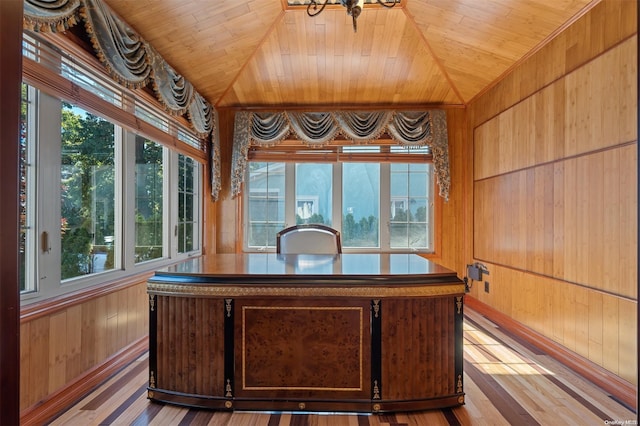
{"x": 87, "y": 193}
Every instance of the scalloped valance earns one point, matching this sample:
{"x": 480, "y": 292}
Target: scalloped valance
{"x": 315, "y": 129}
{"x": 130, "y": 61}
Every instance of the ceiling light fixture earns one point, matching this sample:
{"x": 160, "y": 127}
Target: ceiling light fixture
{"x": 354, "y": 8}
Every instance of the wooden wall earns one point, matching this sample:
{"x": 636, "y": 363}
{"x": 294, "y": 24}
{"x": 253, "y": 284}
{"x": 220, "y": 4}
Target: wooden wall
{"x": 554, "y": 189}
{"x": 228, "y": 220}
{"x": 70, "y": 338}
{"x": 452, "y": 253}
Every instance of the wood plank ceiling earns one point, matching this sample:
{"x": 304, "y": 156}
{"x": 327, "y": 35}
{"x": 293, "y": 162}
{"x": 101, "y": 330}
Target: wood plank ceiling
{"x": 264, "y": 53}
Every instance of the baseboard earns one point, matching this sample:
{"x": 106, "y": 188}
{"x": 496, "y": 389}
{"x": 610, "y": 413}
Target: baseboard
{"x": 70, "y": 394}
{"x": 618, "y": 388}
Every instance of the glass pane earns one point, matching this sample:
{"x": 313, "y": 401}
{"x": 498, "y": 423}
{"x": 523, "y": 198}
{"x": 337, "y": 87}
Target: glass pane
{"x": 181, "y": 198}
{"x": 411, "y": 223}
{"x": 94, "y": 83}
{"x": 188, "y": 207}
{"x": 314, "y": 192}
{"x": 361, "y": 205}
{"x": 149, "y": 200}
{"x": 188, "y": 175}
{"x": 88, "y": 204}
{"x": 181, "y": 245}
{"x": 151, "y": 116}
{"x": 266, "y": 194}
{"x": 188, "y": 237}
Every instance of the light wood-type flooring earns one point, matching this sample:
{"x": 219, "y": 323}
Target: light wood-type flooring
{"x": 507, "y": 382}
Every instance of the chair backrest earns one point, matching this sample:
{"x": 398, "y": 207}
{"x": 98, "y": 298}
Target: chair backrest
{"x": 308, "y": 239}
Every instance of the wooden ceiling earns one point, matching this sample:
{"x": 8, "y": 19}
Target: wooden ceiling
{"x": 264, "y": 53}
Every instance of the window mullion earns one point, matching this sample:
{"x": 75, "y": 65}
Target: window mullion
{"x": 290, "y": 195}
{"x": 127, "y": 231}
{"x": 337, "y": 196}
{"x": 173, "y": 202}
{"x": 167, "y": 209}
{"x": 385, "y": 211}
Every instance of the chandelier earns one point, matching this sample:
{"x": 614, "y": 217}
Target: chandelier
{"x": 354, "y": 8}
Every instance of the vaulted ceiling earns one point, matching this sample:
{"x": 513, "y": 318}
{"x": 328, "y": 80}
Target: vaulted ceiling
{"x": 265, "y": 53}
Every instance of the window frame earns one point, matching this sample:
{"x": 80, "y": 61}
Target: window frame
{"x": 197, "y": 208}
{"x": 30, "y": 167}
{"x": 384, "y": 157}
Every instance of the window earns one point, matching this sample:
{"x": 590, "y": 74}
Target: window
{"x": 150, "y": 217}
{"x": 410, "y": 224}
{"x": 314, "y": 193}
{"x": 188, "y": 204}
{"x": 88, "y": 210}
{"x": 265, "y": 204}
{"x": 376, "y": 206}
{"x": 360, "y": 205}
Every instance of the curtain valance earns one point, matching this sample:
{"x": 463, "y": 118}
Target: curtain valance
{"x": 130, "y": 61}
{"x": 315, "y": 129}
{"x": 128, "y": 58}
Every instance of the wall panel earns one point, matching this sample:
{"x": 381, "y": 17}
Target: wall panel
{"x": 578, "y": 44}
{"x": 555, "y": 189}
{"x": 63, "y": 342}
{"x": 516, "y": 221}
{"x": 596, "y": 101}
{"x": 596, "y": 325}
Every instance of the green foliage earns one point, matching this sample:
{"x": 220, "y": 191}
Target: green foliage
{"x": 88, "y": 189}
{"x": 148, "y": 237}
{"x": 359, "y": 234}
{"x": 401, "y": 215}
{"x": 314, "y": 218}
{"x": 76, "y": 248}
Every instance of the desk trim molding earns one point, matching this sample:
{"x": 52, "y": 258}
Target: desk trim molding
{"x": 171, "y": 289}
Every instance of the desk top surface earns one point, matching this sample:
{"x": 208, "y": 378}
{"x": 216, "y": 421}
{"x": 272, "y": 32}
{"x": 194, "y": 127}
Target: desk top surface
{"x": 274, "y": 265}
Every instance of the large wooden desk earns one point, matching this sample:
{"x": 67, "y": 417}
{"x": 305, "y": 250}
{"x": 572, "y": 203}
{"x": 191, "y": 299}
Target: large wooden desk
{"x": 355, "y": 332}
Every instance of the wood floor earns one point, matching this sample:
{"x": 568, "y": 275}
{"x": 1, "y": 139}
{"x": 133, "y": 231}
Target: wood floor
{"x": 507, "y": 382}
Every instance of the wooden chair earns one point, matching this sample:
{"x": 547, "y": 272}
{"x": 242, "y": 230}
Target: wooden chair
{"x": 308, "y": 239}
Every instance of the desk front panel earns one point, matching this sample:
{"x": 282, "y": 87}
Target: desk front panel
{"x": 311, "y": 348}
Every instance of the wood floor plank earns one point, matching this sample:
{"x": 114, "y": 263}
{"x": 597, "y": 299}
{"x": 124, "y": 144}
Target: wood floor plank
{"x": 478, "y": 410}
{"x": 136, "y": 408}
{"x": 571, "y": 388}
{"x": 506, "y": 382}
{"x": 147, "y": 415}
{"x": 168, "y": 416}
{"x": 222, "y": 418}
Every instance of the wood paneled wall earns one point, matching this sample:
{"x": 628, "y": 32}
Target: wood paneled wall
{"x": 228, "y": 223}
{"x": 452, "y": 232}
{"x": 58, "y": 344}
{"x": 555, "y": 189}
